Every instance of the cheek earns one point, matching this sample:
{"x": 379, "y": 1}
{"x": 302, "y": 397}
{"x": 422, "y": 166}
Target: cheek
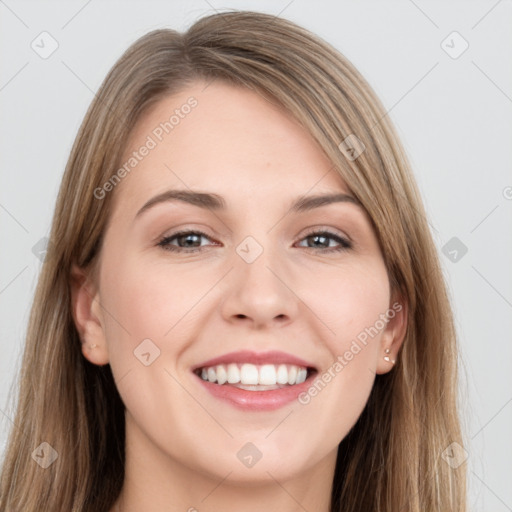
{"x": 143, "y": 305}
{"x": 352, "y": 302}
{"x": 147, "y": 302}
{"x": 349, "y": 300}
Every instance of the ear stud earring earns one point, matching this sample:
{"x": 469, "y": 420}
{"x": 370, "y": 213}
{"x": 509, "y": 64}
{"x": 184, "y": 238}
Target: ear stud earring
{"x": 93, "y": 346}
{"x": 387, "y": 358}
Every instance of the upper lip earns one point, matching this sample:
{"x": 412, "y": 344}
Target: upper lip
{"x": 257, "y": 358}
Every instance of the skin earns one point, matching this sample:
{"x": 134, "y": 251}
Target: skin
{"x": 182, "y": 443}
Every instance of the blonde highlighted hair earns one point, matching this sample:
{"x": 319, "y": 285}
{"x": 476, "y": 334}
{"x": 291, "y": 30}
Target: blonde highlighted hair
{"x": 391, "y": 460}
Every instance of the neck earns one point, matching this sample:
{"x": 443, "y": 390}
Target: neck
{"x": 289, "y": 496}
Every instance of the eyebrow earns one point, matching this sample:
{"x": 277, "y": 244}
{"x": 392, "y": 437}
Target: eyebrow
{"x": 215, "y": 202}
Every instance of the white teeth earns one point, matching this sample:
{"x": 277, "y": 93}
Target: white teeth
{"x": 301, "y": 377}
{"x": 248, "y": 374}
{"x": 233, "y": 374}
{"x": 282, "y": 374}
{"x": 267, "y": 375}
{"x": 292, "y": 374}
{"x": 222, "y": 375}
{"x": 212, "y": 376}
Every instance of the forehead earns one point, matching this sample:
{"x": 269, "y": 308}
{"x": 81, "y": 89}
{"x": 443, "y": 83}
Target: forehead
{"x": 225, "y": 139}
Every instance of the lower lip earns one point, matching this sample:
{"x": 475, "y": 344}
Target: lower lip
{"x": 257, "y": 400}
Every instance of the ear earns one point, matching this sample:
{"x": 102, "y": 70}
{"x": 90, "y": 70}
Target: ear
{"x": 88, "y": 318}
{"x": 393, "y": 335}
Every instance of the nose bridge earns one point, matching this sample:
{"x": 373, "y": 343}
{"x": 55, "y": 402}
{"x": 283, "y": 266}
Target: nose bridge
{"x": 259, "y": 288}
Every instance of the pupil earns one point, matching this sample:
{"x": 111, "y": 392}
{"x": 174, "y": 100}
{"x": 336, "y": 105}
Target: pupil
{"x": 188, "y": 238}
{"x": 317, "y": 237}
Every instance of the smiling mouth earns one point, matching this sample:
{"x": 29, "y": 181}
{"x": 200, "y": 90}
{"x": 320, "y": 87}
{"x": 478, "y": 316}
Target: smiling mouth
{"x": 251, "y": 377}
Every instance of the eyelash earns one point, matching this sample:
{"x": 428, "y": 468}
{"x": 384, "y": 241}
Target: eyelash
{"x": 165, "y": 241}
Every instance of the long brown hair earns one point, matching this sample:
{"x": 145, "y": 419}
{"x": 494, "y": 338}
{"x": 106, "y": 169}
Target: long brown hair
{"x": 392, "y": 459}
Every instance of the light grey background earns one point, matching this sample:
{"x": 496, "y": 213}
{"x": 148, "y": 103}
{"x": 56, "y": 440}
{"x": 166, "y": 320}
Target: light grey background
{"x": 453, "y": 114}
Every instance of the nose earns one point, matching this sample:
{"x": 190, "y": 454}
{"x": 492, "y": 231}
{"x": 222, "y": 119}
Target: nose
{"x": 260, "y": 293}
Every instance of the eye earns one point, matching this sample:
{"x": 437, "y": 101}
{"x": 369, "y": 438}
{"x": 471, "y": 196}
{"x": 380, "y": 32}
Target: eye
{"x": 188, "y": 238}
{"x": 323, "y": 237}
{"x": 190, "y": 241}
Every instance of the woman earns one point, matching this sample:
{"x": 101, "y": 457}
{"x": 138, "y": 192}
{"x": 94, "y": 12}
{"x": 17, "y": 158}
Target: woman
{"x": 242, "y": 305}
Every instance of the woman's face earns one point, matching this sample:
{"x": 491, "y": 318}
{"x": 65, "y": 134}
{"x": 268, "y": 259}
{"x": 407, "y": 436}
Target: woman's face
{"x": 307, "y": 281}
